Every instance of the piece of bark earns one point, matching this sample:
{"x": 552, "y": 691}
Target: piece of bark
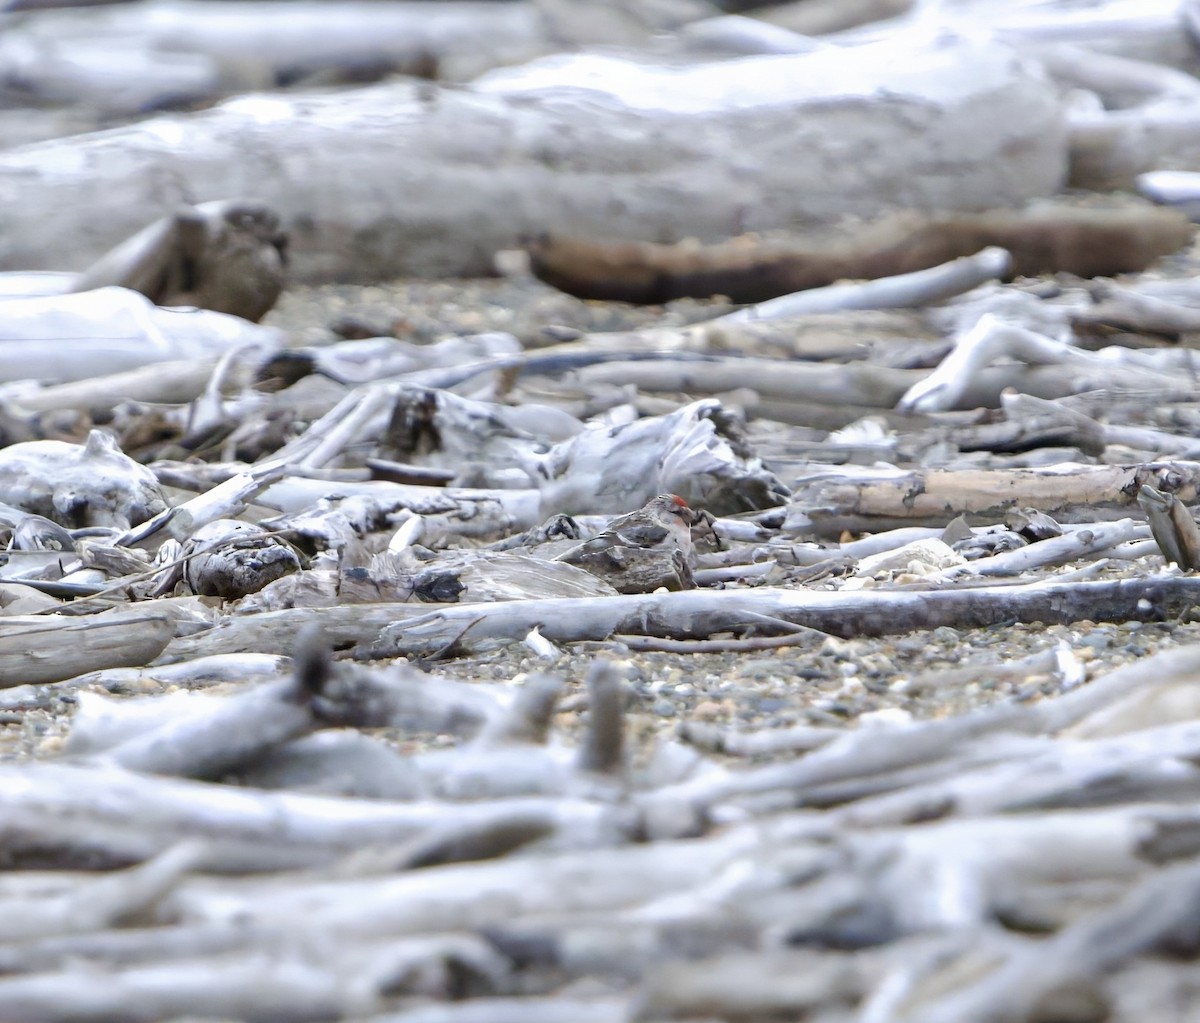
{"x": 1085, "y": 241}
{"x": 1173, "y": 527}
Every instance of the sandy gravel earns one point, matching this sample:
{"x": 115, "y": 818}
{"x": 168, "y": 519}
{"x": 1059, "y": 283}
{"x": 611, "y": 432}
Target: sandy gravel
{"x": 831, "y": 683}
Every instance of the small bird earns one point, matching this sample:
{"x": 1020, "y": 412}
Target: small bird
{"x": 645, "y": 549}
{"x": 662, "y": 521}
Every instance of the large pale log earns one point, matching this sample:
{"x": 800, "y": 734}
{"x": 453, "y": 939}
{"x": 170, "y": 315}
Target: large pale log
{"x": 441, "y": 179}
{"x": 470, "y": 895}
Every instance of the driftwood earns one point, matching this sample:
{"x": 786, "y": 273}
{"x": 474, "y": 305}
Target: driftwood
{"x": 933, "y": 801}
{"x": 1021, "y": 155}
{"x": 837, "y": 500}
{"x": 224, "y": 256}
{"x": 1044, "y": 239}
{"x": 186, "y": 51}
{"x": 114, "y": 329}
{"x": 624, "y": 909}
{"x": 37, "y": 649}
{"x": 842, "y": 614}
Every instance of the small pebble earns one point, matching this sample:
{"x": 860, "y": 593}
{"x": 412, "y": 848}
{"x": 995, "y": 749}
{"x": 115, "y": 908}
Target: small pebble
{"x": 708, "y": 710}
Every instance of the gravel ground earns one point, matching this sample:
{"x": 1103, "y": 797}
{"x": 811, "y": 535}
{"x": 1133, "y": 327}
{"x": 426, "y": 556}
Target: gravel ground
{"x": 830, "y": 682}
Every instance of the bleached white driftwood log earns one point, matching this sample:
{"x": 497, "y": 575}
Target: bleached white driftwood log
{"x": 113, "y": 329}
{"x": 68, "y": 813}
{"x": 828, "y": 499}
{"x": 853, "y": 613}
{"x": 445, "y": 178}
{"x": 49, "y": 648}
{"x": 1148, "y": 30}
{"x": 128, "y": 58}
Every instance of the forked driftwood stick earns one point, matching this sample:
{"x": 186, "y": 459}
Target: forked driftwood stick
{"x": 992, "y": 338}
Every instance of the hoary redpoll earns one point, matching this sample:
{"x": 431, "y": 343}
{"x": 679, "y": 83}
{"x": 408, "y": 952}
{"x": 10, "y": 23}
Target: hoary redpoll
{"x": 643, "y": 550}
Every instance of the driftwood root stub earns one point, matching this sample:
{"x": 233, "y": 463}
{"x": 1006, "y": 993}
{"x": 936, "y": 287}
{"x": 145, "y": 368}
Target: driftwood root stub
{"x": 228, "y": 256}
